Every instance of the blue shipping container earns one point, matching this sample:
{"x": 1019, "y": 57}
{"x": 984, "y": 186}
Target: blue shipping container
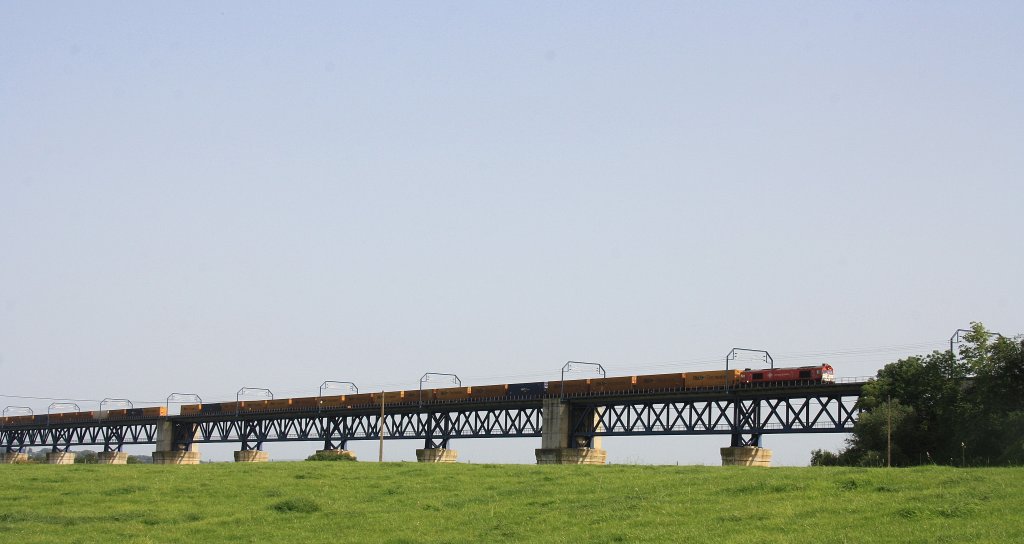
{"x": 529, "y": 389}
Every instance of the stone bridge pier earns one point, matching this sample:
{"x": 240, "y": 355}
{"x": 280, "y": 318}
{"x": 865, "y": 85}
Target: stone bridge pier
{"x": 175, "y": 444}
{"x": 559, "y": 446}
{"x": 12, "y": 457}
{"x": 745, "y": 449}
{"x": 435, "y": 448}
{"x": 60, "y": 457}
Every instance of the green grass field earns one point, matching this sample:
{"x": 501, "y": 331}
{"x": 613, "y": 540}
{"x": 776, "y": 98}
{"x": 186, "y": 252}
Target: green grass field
{"x": 409, "y": 502}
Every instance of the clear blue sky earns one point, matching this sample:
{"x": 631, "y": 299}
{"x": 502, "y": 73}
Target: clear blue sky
{"x": 200, "y": 197}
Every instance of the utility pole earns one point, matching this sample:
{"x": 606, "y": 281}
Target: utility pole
{"x": 888, "y": 433}
{"x": 380, "y": 451}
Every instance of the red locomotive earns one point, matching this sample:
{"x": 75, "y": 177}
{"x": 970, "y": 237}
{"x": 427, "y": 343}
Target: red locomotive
{"x": 817, "y": 374}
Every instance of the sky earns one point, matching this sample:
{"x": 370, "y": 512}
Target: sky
{"x": 199, "y": 197}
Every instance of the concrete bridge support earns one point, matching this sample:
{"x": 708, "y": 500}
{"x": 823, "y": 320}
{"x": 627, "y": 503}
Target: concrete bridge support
{"x": 172, "y": 450}
{"x": 436, "y": 455}
{"x": 172, "y": 457}
{"x": 112, "y": 458}
{"x": 60, "y": 457}
{"x": 571, "y": 456}
{"x": 748, "y": 456}
{"x": 13, "y": 457}
{"x": 555, "y": 439}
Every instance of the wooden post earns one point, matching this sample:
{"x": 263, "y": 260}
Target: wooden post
{"x": 888, "y": 433}
{"x": 380, "y": 452}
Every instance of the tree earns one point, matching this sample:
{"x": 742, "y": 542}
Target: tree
{"x": 992, "y": 412}
{"x": 945, "y": 407}
{"x": 86, "y": 457}
{"x": 825, "y": 458}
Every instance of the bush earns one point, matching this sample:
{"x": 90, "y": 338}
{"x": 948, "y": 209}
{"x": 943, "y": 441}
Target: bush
{"x": 824, "y": 458}
{"x": 328, "y": 455}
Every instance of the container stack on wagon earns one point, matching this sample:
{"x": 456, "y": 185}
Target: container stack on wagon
{"x": 616, "y": 385}
{"x": 59, "y": 418}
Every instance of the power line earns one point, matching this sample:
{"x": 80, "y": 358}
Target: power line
{"x": 860, "y": 353}
{"x": 65, "y": 399}
{"x": 27, "y": 397}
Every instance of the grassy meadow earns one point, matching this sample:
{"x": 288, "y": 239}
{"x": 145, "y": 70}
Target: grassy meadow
{"x": 311, "y": 502}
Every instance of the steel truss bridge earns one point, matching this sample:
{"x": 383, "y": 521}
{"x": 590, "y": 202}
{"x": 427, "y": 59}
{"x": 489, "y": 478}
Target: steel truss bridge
{"x": 112, "y": 435}
{"x": 746, "y": 414}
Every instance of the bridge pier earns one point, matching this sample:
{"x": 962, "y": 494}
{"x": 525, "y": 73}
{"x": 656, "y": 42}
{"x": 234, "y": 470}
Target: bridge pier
{"x": 571, "y": 456}
{"x": 60, "y": 457}
{"x": 13, "y": 457}
{"x": 438, "y": 430}
{"x": 745, "y": 447}
{"x": 556, "y": 435}
{"x": 252, "y": 456}
{"x": 436, "y": 455}
{"x": 176, "y": 450}
{"x": 176, "y": 457}
{"x": 112, "y": 458}
{"x": 748, "y": 456}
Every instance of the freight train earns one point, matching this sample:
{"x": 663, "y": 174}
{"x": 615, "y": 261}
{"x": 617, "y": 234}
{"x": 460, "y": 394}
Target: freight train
{"x": 640, "y": 384}
{"x": 58, "y": 418}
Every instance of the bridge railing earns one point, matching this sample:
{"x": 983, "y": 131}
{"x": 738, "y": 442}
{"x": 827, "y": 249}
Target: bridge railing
{"x": 774, "y": 426}
{"x": 854, "y": 379}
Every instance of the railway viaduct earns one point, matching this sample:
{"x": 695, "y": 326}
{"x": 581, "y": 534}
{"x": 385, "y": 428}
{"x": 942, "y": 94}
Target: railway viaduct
{"x": 570, "y": 428}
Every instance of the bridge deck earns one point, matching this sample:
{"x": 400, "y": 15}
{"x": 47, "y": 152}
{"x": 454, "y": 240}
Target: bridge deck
{"x": 750, "y": 411}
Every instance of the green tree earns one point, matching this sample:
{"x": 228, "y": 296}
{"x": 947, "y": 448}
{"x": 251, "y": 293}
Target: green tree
{"x": 944, "y": 407}
{"x": 86, "y": 457}
{"x": 991, "y": 421}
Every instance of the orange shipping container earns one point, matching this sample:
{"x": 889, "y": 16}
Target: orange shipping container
{"x": 334, "y": 401}
{"x": 390, "y": 397}
{"x": 414, "y": 396}
{"x": 449, "y": 394}
{"x": 279, "y": 404}
{"x": 658, "y": 382}
{"x": 190, "y": 409}
{"x": 77, "y": 416}
{"x": 230, "y": 407}
{"x": 252, "y": 405}
{"x": 612, "y": 385}
{"x": 712, "y": 379}
{"x": 568, "y": 388}
{"x": 154, "y": 411}
{"x": 488, "y": 391}
{"x": 361, "y": 399}
{"x": 307, "y": 403}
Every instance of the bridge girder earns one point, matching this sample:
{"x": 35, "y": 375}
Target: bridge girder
{"x": 745, "y": 415}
